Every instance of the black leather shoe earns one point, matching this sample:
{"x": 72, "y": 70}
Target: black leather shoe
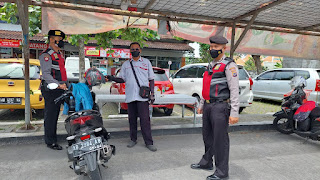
{"x": 198, "y": 166}
{"x": 54, "y": 146}
{"x": 215, "y": 177}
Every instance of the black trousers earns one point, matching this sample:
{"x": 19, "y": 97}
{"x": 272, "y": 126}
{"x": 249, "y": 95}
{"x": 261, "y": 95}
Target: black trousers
{"x": 51, "y": 114}
{"x": 215, "y": 124}
{"x": 140, "y": 109}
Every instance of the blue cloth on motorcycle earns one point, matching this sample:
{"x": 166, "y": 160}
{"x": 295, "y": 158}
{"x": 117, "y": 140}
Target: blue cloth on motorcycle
{"x": 83, "y": 98}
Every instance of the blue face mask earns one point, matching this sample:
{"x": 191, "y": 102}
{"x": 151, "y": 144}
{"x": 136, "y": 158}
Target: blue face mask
{"x": 215, "y": 53}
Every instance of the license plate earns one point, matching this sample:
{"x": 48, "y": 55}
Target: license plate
{"x": 10, "y": 100}
{"x": 86, "y": 146}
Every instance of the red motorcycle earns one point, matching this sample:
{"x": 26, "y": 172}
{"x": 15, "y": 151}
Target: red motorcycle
{"x": 298, "y": 115}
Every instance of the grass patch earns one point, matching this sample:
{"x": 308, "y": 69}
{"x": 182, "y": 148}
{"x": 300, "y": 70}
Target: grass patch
{"x": 262, "y": 107}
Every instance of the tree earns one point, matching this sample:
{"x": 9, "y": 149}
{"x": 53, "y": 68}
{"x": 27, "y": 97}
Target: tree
{"x": 257, "y": 62}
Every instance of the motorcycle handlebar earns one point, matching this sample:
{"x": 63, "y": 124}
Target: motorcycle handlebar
{"x": 63, "y": 96}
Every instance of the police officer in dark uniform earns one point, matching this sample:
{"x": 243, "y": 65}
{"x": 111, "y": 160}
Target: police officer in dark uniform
{"x": 220, "y": 106}
{"x": 53, "y": 71}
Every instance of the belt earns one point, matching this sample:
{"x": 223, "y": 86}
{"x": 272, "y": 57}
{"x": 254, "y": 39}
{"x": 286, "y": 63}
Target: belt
{"x": 217, "y": 100}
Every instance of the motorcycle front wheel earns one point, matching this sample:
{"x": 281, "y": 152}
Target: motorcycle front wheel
{"x": 282, "y": 125}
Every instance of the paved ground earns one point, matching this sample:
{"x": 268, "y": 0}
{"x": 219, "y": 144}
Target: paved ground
{"x": 254, "y": 155}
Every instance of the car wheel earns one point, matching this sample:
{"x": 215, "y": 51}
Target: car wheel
{"x": 121, "y": 111}
{"x": 241, "y": 109}
{"x": 167, "y": 111}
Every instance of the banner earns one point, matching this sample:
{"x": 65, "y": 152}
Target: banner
{"x": 16, "y": 43}
{"x": 83, "y": 22}
{"x": 117, "y": 53}
{"x": 255, "y": 42}
{"x": 9, "y": 43}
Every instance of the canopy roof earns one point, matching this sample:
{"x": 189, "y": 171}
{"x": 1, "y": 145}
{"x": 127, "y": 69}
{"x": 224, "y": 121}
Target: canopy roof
{"x": 291, "y": 16}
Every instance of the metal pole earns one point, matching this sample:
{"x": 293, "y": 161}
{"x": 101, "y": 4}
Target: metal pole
{"x": 232, "y": 40}
{"x": 183, "y": 110}
{"x": 24, "y": 20}
{"x": 194, "y": 114}
{"x": 81, "y": 59}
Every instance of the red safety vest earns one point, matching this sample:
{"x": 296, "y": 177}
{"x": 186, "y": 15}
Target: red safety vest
{"x": 215, "y": 86}
{"x": 58, "y": 70}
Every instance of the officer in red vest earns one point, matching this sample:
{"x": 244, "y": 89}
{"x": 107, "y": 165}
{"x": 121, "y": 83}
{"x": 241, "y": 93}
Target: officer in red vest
{"x": 53, "y": 71}
{"x": 220, "y": 106}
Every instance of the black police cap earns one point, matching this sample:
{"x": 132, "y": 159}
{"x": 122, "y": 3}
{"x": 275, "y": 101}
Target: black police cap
{"x": 56, "y": 33}
{"x": 218, "y": 40}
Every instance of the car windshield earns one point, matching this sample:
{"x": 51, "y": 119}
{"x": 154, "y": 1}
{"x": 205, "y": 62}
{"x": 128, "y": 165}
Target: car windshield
{"x": 243, "y": 75}
{"x": 16, "y": 71}
{"x": 160, "y": 75}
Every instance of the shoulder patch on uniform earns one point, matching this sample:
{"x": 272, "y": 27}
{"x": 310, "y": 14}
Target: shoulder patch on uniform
{"x": 46, "y": 57}
{"x": 233, "y": 71}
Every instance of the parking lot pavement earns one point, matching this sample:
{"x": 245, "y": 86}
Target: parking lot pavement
{"x": 254, "y": 155}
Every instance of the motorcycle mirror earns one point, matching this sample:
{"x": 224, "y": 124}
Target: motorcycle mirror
{"x": 52, "y": 86}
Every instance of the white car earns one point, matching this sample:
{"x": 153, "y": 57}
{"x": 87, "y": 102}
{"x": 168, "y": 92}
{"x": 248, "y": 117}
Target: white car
{"x": 188, "y": 80}
{"x": 273, "y": 84}
{"x": 72, "y": 68}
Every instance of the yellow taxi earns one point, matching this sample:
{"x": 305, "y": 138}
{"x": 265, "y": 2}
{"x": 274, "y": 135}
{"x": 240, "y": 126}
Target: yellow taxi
{"x": 12, "y": 86}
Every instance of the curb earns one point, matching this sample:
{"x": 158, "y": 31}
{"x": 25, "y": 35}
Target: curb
{"x": 115, "y": 133}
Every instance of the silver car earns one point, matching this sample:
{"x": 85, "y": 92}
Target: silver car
{"x": 273, "y": 84}
{"x": 188, "y": 80}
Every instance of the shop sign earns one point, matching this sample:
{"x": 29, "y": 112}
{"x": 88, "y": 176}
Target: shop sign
{"x": 38, "y": 46}
{"x": 9, "y": 43}
{"x": 16, "y": 43}
{"x": 116, "y": 53}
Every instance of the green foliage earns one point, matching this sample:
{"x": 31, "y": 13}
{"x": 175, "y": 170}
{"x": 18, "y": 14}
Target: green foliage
{"x": 204, "y": 53}
{"x": 74, "y": 39}
{"x": 279, "y": 65}
{"x": 9, "y": 13}
{"x": 249, "y": 65}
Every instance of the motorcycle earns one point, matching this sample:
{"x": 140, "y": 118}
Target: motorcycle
{"x": 298, "y": 115}
{"x": 88, "y": 146}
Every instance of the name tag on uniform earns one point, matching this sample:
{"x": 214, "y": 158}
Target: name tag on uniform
{"x": 217, "y": 67}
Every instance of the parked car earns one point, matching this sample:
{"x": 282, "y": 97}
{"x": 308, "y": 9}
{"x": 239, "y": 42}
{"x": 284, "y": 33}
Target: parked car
{"x": 273, "y": 84}
{"x": 72, "y": 68}
{"x": 162, "y": 86}
{"x": 12, "y": 92}
{"x": 188, "y": 80}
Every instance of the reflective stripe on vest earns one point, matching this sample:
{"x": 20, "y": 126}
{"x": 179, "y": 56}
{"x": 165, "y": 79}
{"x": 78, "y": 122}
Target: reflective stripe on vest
{"x": 215, "y": 86}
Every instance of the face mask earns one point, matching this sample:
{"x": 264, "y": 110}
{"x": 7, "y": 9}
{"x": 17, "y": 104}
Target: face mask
{"x": 135, "y": 53}
{"x": 60, "y": 43}
{"x": 215, "y": 53}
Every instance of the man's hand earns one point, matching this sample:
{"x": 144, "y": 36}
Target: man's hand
{"x": 233, "y": 120}
{"x": 152, "y": 99}
{"x": 199, "y": 110}
{"x": 63, "y": 86}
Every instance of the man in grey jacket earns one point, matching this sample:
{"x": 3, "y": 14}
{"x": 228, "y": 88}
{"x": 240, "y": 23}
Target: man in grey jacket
{"x": 137, "y": 106}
